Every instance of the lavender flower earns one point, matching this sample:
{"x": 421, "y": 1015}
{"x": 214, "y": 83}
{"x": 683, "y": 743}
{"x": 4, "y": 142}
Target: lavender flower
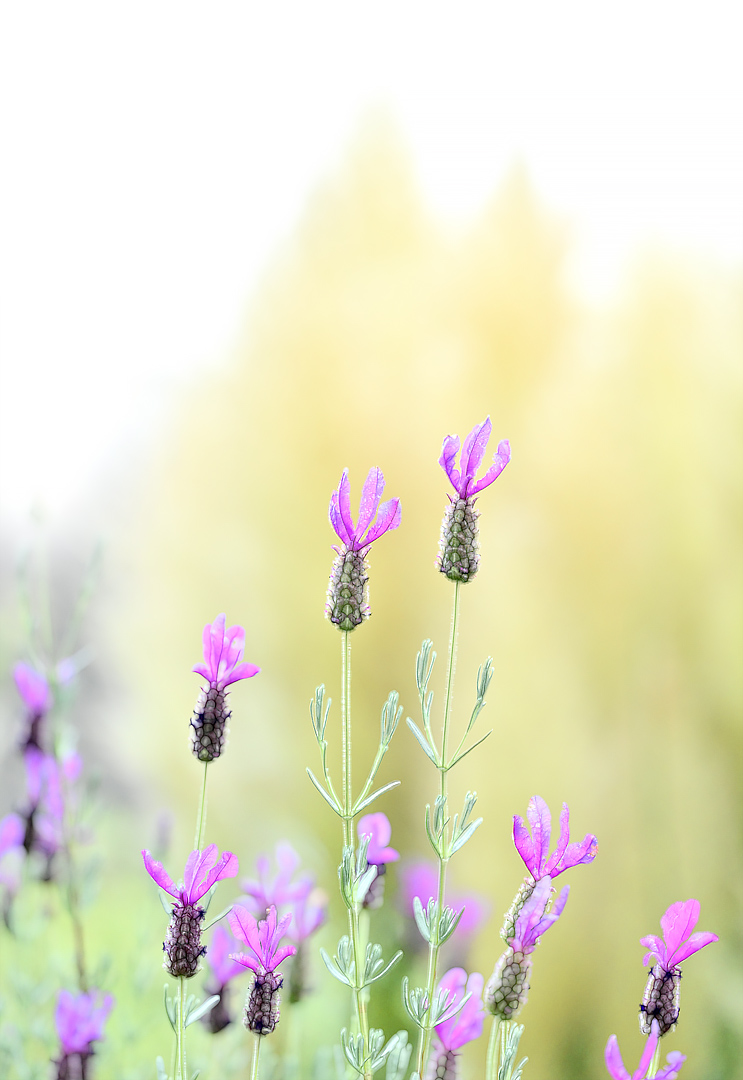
{"x": 80, "y": 1020}
{"x": 262, "y": 1010}
{"x": 277, "y": 890}
{"x": 223, "y": 652}
{"x": 661, "y": 998}
{"x": 182, "y": 945}
{"x": 37, "y": 697}
{"x": 459, "y": 548}
{"x": 377, "y": 827}
{"x": 463, "y": 1027}
{"x": 616, "y": 1068}
{"x": 222, "y": 969}
{"x": 534, "y": 850}
{"x": 12, "y": 832}
{"x": 347, "y": 602}
{"x": 508, "y": 986}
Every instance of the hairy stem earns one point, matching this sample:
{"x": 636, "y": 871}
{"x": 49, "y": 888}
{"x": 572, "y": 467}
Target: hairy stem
{"x": 201, "y": 816}
{"x": 256, "y": 1056}
{"x": 491, "y": 1065}
{"x": 181, "y": 1073}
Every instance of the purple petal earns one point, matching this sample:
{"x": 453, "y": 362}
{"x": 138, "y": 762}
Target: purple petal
{"x": 525, "y": 845}
{"x": 344, "y": 506}
{"x": 657, "y": 949}
{"x": 562, "y": 843}
{"x": 33, "y": 688}
{"x": 12, "y": 832}
{"x": 540, "y": 820}
{"x": 378, "y": 828}
{"x": 500, "y": 460}
{"x": 580, "y": 853}
{"x": 648, "y": 1052}
{"x": 449, "y": 453}
{"x": 242, "y": 671}
{"x": 158, "y": 874}
{"x": 694, "y": 944}
{"x": 671, "y": 1070}
{"x": 390, "y": 514}
{"x": 371, "y": 493}
{"x": 244, "y": 926}
{"x": 246, "y": 961}
{"x": 677, "y": 923}
{"x": 473, "y": 450}
{"x": 203, "y": 869}
{"x": 218, "y": 956}
{"x": 613, "y": 1059}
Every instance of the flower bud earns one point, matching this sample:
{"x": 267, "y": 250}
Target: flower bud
{"x": 209, "y": 723}
{"x": 347, "y": 604}
{"x": 459, "y": 548}
{"x": 661, "y": 999}
{"x": 507, "y": 988}
{"x": 182, "y": 945}
{"x": 262, "y": 1008}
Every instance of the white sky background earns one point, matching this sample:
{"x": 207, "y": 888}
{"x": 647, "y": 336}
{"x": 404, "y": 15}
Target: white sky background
{"x": 154, "y": 154}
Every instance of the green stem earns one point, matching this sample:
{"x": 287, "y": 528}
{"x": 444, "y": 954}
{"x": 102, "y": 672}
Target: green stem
{"x": 201, "y": 817}
{"x": 424, "y": 1041}
{"x": 655, "y": 1062}
{"x": 181, "y": 1032}
{"x": 360, "y": 1003}
{"x": 491, "y": 1065}
{"x": 256, "y": 1056}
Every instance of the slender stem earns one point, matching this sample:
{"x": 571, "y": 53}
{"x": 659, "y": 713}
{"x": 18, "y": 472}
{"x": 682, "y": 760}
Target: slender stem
{"x": 201, "y": 817}
{"x": 73, "y": 902}
{"x": 360, "y": 998}
{"x": 491, "y": 1065}
{"x": 655, "y": 1062}
{"x": 424, "y": 1040}
{"x": 181, "y": 1033}
{"x": 256, "y": 1056}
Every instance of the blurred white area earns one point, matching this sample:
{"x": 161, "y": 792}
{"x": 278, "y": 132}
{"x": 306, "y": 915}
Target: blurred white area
{"x": 156, "y": 153}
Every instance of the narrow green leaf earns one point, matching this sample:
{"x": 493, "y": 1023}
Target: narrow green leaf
{"x": 328, "y": 799}
{"x": 383, "y": 972}
{"x": 201, "y": 1010}
{"x": 375, "y": 795}
{"x": 334, "y": 969}
{"x": 424, "y": 743}
{"x": 225, "y": 911}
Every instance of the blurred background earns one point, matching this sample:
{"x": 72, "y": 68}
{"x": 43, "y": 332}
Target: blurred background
{"x": 244, "y": 249}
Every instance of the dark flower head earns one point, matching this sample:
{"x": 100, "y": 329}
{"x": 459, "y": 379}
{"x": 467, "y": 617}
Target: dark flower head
{"x": 262, "y": 939}
{"x": 616, "y": 1068}
{"x": 465, "y": 1025}
{"x": 463, "y": 479}
{"x": 358, "y": 537}
{"x": 33, "y": 688}
{"x": 80, "y": 1019}
{"x": 678, "y": 942}
{"x": 223, "y": 653}
{"x": 203, "y": 869}
{"x": 534, "y": 848}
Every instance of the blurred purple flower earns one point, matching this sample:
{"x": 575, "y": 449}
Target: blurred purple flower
{"x": 534, "y": 920}
{"x": 534, "y": 849}
{"x": 262, "y": 939}
{"x": 359, "y": 537}
{"x": 277, "y": 890}
{"x": 80, "y": 1019}
{"x": 308, "y": 914}
{"x": 218, "y": 957}
{"x": 33, "y": 688}
{"x": 465, "y": 1025}
{"x": 678, "y": 943}
{"x": 463, "y": 479}
{"x": 203, "y": 869}
{"x": 377, "y": 827}
{"x": 422, "y": 880}
{"x": 616, "y": 1068}
{"x": 223, "y": 653}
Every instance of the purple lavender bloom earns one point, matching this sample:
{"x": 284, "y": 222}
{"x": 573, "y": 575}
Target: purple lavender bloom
{"x": 463, "y": 480}
{"x": 12, "y": 852}
{"x": 223, "y": 665}
{"x": 80, "y": 1019}
{"x": 678, "y": 942}
{"x": 661, "y": 999}
{"x": 222, "y": 970}
{"x": 182, "y": 946}
{"x": 377, "y": 827}
{"x": 616, "y": 1068}
{"x": 262, "y": 1011}
{"x": 308, "y": 913}
{"x": 347, "y": 600}
{"x": 48, "y": 781}
{"x": 37, "y": 697}
{"x": 534, "y": 849}
{"x": 533, "y": 920}
{"x": 466, "y": 1025}
{"x": 459, "y": 549}
{"x": 277, "y": 890}
{"x": 422, "y": 880}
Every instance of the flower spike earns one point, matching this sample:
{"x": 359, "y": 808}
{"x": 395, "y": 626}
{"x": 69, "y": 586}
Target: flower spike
{"x": 347, "y": 602}
{"x": 459, "y": 548}
{"x": 262, "y": 1010}
{"x": 661, "y": 1000}
{"x": 223, "y": 665}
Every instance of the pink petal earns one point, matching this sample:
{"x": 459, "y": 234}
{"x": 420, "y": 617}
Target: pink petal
{"x": 694, "y": 944}
{"x": 449, "y": 453}
{"x": 677, "y": 923}
{"x": 344, "y": 506}
{"x": 540, "y": 820}
{"x": 647, "y": 1054}
{"x": 370, "y": 495}
{"x": 336, "y": 520}
{"x": 158, "y": 874}
{"x": 554, "y": 860}
{"x": 390, "y": 514}
{"x": 500, "y": 460}
{"x": 246, "y": 961}
{"x": 525, "y": 845}
{"x": 613, "y": 1059}
{"x": 473, "y": 450}
{"x": 244, "y": 926}
{"x": 657, "y": 949}
{"x": 671, "y": 1070}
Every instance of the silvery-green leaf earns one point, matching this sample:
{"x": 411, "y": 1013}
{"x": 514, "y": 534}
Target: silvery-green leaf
{"x": 464, "y": 836}
{"x": 192, "y": 1015}
{"x": 363, "y": 884}
{"x": 223, "y": 912}
{"x": 167, "y": 904}
{"x": 170, "y": 1008}
{"x": 328, "y": 798}
{"x": 375, "y": 795}
{"x": 160, "y": 1066}
{"x": 424, "y": 743}
{"x": 377, "y": 975}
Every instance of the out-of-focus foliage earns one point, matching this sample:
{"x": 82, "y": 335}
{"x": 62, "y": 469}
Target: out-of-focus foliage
{"x": 609, "y": 590}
